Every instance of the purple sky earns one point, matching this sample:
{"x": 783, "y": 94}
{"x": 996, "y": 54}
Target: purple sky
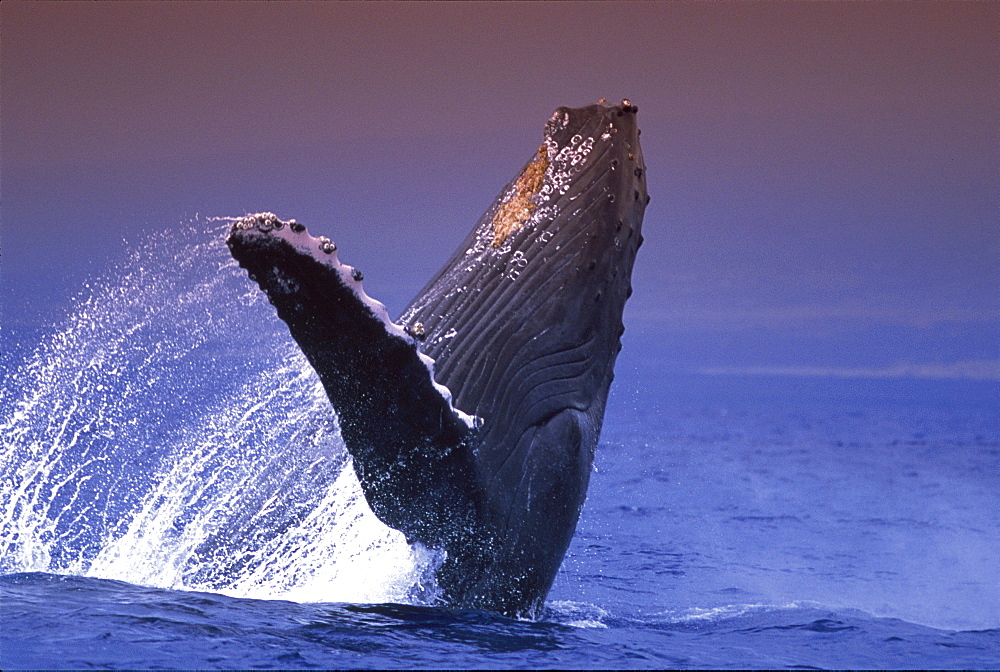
{"x": 824, "y": 177}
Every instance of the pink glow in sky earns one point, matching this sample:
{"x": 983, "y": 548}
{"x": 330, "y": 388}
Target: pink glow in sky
{"x": 824, "y": 176}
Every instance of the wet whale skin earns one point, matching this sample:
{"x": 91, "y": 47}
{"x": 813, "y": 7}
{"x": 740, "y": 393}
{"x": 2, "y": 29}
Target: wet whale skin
{"x": 472, "y": 420}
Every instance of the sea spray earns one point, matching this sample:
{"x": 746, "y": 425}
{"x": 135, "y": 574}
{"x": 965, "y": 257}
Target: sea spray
{"x": 169, "y": 434}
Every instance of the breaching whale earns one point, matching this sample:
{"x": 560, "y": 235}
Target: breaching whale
{"x": 472, "y": 420}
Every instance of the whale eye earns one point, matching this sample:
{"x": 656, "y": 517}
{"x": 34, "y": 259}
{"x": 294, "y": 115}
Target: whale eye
{"x": 278, "y": 224}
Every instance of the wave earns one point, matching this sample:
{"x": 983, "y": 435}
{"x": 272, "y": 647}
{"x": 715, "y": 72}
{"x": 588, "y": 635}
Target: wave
{"x": 169, "y": 434}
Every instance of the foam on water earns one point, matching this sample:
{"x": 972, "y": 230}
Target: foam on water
{"x": 577, "y": 614}
{"x": 171, "y": 435}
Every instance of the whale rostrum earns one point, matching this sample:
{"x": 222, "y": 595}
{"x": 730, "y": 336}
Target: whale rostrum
{"x": 472, "y": 420}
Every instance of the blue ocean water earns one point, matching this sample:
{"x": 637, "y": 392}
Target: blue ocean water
{"x": 173, "y": 493}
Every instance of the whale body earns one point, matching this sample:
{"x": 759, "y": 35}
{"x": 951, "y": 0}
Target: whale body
{"x": 472, "y": 420}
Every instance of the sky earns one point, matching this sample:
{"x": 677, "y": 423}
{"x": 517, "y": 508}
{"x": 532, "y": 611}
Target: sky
{"x": 824, "y": 176}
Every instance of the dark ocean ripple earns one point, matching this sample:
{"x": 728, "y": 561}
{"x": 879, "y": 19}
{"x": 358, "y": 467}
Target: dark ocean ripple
{"x": 75, "y": 622}
{"x": 725, "y": 537}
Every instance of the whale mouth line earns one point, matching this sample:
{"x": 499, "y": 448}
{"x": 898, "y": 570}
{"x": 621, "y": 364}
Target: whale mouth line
{"x": 472, "y": 420}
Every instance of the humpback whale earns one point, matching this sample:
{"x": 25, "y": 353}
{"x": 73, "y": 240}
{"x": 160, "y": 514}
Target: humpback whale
{"x": 472, "y": 420}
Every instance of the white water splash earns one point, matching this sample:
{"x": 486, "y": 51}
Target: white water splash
{"x": 578, "y": 614}
{"x": 171, "y": 435}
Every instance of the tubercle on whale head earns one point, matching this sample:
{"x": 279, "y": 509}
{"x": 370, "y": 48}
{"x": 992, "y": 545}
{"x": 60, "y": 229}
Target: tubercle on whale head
{"x": 563, "y": 150}
{"x": 578, "y": 137}
{"x": 601, "y": 143}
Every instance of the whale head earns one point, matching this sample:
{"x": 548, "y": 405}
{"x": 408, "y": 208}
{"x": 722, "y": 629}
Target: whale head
{"x": 525, "y": 323}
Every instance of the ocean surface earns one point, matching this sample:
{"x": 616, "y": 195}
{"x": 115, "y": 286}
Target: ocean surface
{"x": 174, "y": 493}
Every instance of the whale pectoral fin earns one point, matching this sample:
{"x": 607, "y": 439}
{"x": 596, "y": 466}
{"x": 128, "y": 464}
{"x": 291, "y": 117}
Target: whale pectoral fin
{"x": 407, "y": 441}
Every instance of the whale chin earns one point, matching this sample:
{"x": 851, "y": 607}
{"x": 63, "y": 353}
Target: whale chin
{"x": 472, "y": 419}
